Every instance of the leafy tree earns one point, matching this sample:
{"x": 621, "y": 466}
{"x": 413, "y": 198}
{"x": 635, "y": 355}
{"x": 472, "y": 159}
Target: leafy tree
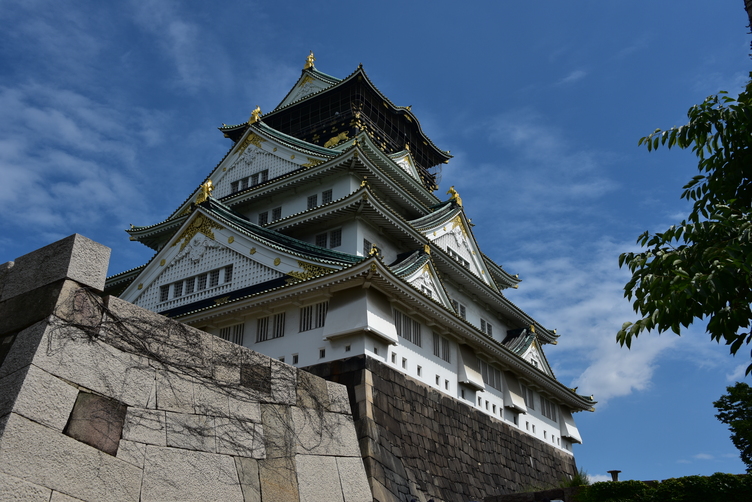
{"x": 735, "y": 410}
{"x": 702, "y": 267}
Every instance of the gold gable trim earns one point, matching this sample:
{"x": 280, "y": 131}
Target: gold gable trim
{"x": 201, "y": 224}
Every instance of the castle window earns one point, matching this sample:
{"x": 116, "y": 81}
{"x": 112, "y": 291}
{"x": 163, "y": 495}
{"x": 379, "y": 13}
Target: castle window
{"x": 164, "y": 293}
{"x": 459, "y": 309}
{"x": 366, "y": 247}
{"x": 295, "y": 359}
{"x": 394, "y": 358}
{"x": 321, "y": 240}
{"x": 228, "y": 273}
{"x": 322, "y": 353}
{"x": 279, "y": 325}
{"x": 441, "y": 347}
{"x": 259, "y": 177}
{"x": 438, "y": 381}
{"x": 213, "y": 278}
{"x": 486, "y": 327}
{"x": 313, "y": 201}
{"x": 201, "y": 282}
{"x": 276, "y": 213}
{"x": 313, "y": 316}
{"x": 548, "y": 409}
{"x": 458, "y": 258}
{"x": 491, "y": 376}
{"x": 335, "y": 238}
{"x": 326, "y": 196}
{"x": 263, "y": 218}
{"x": 281, "y": 359}
{"x": 178, "y": 289}
{"x": 404, "y": 363}
{"x": 480, "y": 401}
{"x": 407, "y": 328}
{"x": 190, "y": 284}
{"x": 262, "y": 329}
{"x": 233, "y": 187}
{"x": 347, "y": 348}
{"x": 420, "y": 370}
{"x": 233, "y": 334}
{"x": 446, "y": 384}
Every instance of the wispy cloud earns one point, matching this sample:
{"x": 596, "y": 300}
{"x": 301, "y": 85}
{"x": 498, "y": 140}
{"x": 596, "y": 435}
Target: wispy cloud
{"x": 573, "y": 77}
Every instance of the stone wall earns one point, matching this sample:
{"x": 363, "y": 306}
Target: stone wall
{"x": 418, "y": 443}
{"x": 102, "y": 400}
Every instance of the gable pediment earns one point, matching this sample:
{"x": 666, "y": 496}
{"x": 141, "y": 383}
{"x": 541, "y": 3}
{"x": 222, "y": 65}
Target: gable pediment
{"x": 309, "y": 83}
{"x": 207, "y": 258}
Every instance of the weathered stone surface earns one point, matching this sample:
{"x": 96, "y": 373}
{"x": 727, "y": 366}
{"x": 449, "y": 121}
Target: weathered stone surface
{"x": 145, "y": 426}
{"x": 279, "y": 482}
{"x": 279, "y": 440}
{"x": 353, "y": 478}
{"x": 239, "y": 438}
{"x": 13, "y": 489}
{"x": 4, "y": 269}
{"x": 338, "y": 400}
{"x": 25, "y": 345}
{"x": 225, "y": 359}
{"x": 242, "y": 407}
{"x": 248, "y": 475}
{"x": 61, "y": 497}
{"x": 42, "y": 397}
{"x": 324, "y": 433}
{"x": 97, "y": 421}
{"x": 210, "y": 398}
{"x": 175, "y": 391}
{"x": 312, "y": 391}
{"x": 74, "y": 257}
{"x": 132, "y": 452}
{"x": 73, "y": 355}
{"x": 45, "y": 457}
{"x": 191, "y": 432}
{"x": 284, "y": 382}
{"x": 318, "y": 479}
{"x": 172, "y": 474}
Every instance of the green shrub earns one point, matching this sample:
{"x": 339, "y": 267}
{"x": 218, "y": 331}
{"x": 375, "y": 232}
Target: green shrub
{"x": 719, "y": 487}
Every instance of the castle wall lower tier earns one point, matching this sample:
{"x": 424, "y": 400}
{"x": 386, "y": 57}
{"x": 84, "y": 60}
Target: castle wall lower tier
{"x": 419, "y": 443}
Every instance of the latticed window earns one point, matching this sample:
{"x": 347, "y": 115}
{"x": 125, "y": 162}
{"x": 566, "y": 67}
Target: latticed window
{"x": 486, "y": 327}
{"x": 313, "y": 316}
{"x": 529, "y": 396}
{"x": 491, "y": 376}
{"x": 407, "y": 328}
{"x": 335, "y": 238}
{"x": 460, "y": 309}
{"x": 326, "y": 196}
{"x": 263, "y": 218}
{"x": 366, "y": 247}
{"x": 164, "y": 293}
{"x": 233, "y": 334}
{"x": 313, "y": 201}
{"x": 228, "y": 273}
{"x": 178, "y": 289}
{"x": 279, "y": 325}
{"x": 262, "y": 329}
{"x": 441, "y": 347}
{"x": 201, "y": 279}
{"x": 276, "y": 213}
{"x": 234, "y": 186}
{"x": 213, "y": 278}
{"x": 190, "y": 285}
{"x": 321, "y": 240}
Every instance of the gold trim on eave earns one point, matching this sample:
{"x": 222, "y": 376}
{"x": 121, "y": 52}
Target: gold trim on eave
{"x": 252, "y": 139}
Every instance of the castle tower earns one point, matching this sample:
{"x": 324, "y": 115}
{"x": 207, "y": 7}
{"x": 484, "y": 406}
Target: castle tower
{"x": 319, "y": 240}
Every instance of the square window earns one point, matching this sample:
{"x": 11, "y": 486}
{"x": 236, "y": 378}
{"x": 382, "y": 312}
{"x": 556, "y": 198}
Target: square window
{"x": 335, "y": 238}
{"x": 347, "y": 348}
{"x": 295, "y": 359}
{"x": 213, "y": 278}
{"x": 321, "y": 240}
{"x": 326, "y": 196}
{"x": 376, "y": 350}
{"x": 420, "y": 371}
{"x": 313, "y": 201}
{"x": 263, "y": 218}
{"x": 322, "y": 353}
{"x": 404, "y": 363}
{"x": 282, "y": 359}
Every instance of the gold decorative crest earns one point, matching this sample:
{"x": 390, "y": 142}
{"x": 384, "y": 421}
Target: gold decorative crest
{"x": 336, "y": 140}
{"x": 252, "y": 139}
{"x": 309, "y": 271}
{"x": 220, "y": 301}
{"x": 201, "y": 224}
{"x": 252, "y": 251}
{"x": 309, "y": 61}
{"x": 454, "y": 196}
{"x": 255, "y": 115}
{"x": 162, "y": 262}
{"x": 230, "y": 239}
{"x": 277, "y": 261}
{"x": 206, "y": 190}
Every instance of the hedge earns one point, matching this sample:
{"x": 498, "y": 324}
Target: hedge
{"x": 719, "y": 487}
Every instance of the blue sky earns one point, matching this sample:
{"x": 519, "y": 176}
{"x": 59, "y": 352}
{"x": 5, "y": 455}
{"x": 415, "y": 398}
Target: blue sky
{"x": 109, "y": 116}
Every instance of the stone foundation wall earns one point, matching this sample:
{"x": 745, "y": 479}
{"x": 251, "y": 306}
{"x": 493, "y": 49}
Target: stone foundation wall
{"x": 102, "y": 400}
{"x": 419, "y": 443}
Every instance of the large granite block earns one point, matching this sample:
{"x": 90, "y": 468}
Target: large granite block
{"x": 174, "y": 391}
{"x": 75, "y": 257}
{"x": 279, "y": 481}
{"x": 174, "y": 475}
{"x": 354, "y": 481}
{"x": 132, "y": 452}
{"x": 45, "y": 457}
{"x": 248, "y": 474}
{"x": 279, "y": 435}
{"x": 42, "y": 398}
{"x": 191, "y": 432}
{"x": 13, "y": 489}
{"x": 210, "y": 398}
{"x": 284, "y": 382}
{"x": 145, "y": 426}
{"x": 97, "y": 421}
{"x": 324, "y": 433}
{"x": 339, "y": 402}
{"x": 312, "y": 391}
{"x": 239, "y": 438}
{"x": 318, "y": 479}
{"x": 25, "y": 345}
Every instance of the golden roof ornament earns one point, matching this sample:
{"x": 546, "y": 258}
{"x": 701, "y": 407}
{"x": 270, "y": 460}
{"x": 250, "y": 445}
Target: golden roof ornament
{"x": 427, "y": 249}
{"x": 364, "y": 183}
{"x": 532, "y": 328}
{"x": 255, "y": 115}
{"x": 309, "y": 61}
{"x": 206, "y": 190}
{"x": 454, "y": 196}
{"x": 374, "y": 251}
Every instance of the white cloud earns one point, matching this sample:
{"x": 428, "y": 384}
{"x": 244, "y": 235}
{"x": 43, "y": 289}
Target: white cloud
{"x": 573, "y": 77}
{"x": 597, "y": 478}
{"x": 703, "y": 456}
{"x": 738, "y": 373}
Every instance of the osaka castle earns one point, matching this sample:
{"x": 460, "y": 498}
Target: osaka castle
{"x": 321, "y": 239}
